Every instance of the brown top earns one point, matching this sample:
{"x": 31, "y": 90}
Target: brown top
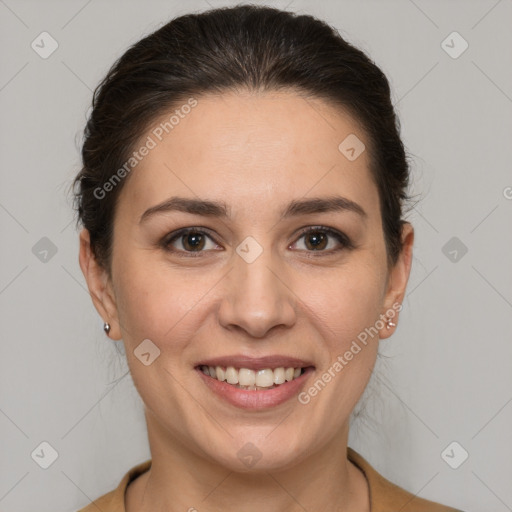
{"x": 384, "y": 495}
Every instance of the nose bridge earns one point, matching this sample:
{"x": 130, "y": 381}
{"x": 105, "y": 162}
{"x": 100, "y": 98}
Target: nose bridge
{"x": 256, "y": 299}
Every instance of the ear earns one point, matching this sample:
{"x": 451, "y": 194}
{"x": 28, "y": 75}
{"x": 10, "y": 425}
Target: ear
{"x": 99, "y": 284}
{"x": 397, "y": 282}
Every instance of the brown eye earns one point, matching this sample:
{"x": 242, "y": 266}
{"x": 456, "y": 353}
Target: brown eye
{"x": 189, "y": 240}
{"x": 316, "y": 240}
{"x": 193, "y": 241}
{"x": 324, "y": 240}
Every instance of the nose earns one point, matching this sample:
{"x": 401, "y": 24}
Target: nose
{"x": 257, "y": 297}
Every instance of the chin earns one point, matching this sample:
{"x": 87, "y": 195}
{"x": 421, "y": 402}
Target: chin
{"x": 255, "y": 453}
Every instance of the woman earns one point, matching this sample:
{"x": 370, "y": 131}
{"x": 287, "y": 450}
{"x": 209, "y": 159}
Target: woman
{"x": 241, "y": 197}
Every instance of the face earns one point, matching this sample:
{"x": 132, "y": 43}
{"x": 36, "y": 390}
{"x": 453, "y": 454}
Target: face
{"x": 263, "y": 278}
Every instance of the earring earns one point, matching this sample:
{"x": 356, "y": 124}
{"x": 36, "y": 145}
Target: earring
{"x": 390, "y": 323}
{"x": 106, "y": 327}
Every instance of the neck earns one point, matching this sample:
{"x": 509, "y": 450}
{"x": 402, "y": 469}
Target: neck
{"x": 182, "y": 480}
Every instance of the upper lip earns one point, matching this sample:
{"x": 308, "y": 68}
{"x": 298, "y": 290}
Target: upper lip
{"x": 255, "y": 363}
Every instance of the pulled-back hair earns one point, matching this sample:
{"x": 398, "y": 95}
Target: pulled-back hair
{"x": 245, "y": 47}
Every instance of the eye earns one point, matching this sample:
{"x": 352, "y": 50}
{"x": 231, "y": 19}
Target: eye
{"x": 189, "y": 241}
{"x": 319, "y": 238}
{"x": 194, "y": 241}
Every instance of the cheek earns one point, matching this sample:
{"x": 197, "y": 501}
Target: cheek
{"x": 346, "y": 302}
{"x": 156, "y": 304}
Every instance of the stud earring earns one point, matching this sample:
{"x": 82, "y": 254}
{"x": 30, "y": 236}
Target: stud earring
{"x": 390, "y": 323}
{"x": 106, "y": 327}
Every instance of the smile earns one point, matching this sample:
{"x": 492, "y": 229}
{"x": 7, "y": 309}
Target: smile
{"x": 251, "y": 380}
{"x": 262, "y": 387}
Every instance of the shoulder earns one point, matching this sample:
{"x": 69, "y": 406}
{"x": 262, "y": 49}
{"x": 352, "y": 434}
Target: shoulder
{"x": 103, "y": 503}
{"x": 386, "y": 496}
{"x": 113, "y": 501}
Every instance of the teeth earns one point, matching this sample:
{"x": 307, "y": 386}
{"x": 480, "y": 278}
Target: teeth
{"x": 279, "y": 376}
{"x": 265, "y": 378}
{"x": 231, "y": 375}
{"x": 246, "y": 378}
{"x": 221, "y": 374}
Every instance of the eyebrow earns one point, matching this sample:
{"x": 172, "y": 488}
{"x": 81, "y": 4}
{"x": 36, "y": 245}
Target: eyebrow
{"x": 220, "y": 209}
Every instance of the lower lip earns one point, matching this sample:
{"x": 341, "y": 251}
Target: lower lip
{"x": 257, "y": 399}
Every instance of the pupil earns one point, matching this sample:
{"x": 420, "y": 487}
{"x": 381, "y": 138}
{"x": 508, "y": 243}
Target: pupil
{"x": 196, "y": 239}
{"x": 318, "y": 240}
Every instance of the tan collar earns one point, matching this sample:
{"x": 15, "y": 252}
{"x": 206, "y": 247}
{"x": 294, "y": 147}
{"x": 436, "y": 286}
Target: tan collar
{"x": 385, "y": 496}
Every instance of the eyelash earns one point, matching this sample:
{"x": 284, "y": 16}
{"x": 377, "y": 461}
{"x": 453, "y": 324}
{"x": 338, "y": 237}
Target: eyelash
{"x": 340, "y": 237}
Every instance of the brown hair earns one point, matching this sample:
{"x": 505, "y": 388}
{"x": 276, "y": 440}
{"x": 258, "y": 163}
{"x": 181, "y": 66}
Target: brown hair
{"x": 242, "y": 47}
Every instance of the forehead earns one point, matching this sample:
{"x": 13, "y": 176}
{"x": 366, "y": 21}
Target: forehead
{"x": 248, "y": 148}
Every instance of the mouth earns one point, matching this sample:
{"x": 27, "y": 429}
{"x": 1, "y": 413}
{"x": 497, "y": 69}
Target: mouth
{"x": 255, "y": 383}
{"x": 253, "y": 380}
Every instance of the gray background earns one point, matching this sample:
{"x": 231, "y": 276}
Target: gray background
{"x": 449, "y": 374}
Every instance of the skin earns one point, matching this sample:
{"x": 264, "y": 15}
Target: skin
{"x": 257, "y": 152}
